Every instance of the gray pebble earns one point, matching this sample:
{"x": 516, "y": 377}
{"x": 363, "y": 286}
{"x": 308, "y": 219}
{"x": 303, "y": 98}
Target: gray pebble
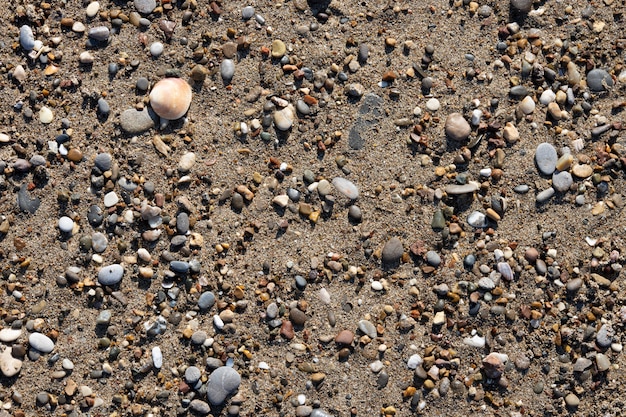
{"x": 103, "y": 161}
{"x": 99, "y": 242}
{"x": 433, "y": 258}
{"x": 346, "y": 188}
{"x": 110, "y": 274}
{"x": 103, "y": 107}
{"x": 213, "y": 363}
{"x": 206, "y": 300}
{"x": 597, "y": 79}
{"x": 104, "y": 318}
{"x": 544, "y": 195}
{"x": 145, "y": 6}
{"x": 99, "y": 33}
{"x": 562, "y": 181}
{"x": 303, "y": 108}
{"x": 179, "y": 267}
{"x": 223, "y": 382}
{"x": 546, "y": 158}
{"x": 27, "y": 39}
{"x": 354, "y": 212}
{"x": 318, "y": 412}
{"x": 192, "y": 375}
{"x": 293, "y": 194}
{"x": 37, "y": 160}
{"x": 134, "y": 122}
{"x": 271, "y": 312}
{"x": 25, "y": 202}
{"x": 364, "y": 52}
{"x": 247, "y": 13}
{"x": 156, "y": 49}
{"x": 227, "y": 70}
{"x": 521, "y": 6}
{"x": 518, "y": 91}
{"x": 604, "y": 338}
{"x": 382, "y": 380}
{"x": 182, "y": 223}
{"x": 368, "y": 328}
{"x": 142, "y": 84}
{"x": 42, "y": 398}
{"x": 392, "y": 251}
{"x": 200, "y": 407}
{"x": 477, "y": 219}
{"x": 521, "y": 189}
{"x": 198, "y": 337}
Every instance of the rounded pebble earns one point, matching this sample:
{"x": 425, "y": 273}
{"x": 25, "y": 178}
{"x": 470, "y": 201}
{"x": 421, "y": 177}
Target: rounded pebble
{"x": 41, "y": 342}
{"x": 223, "y": 382}
{"x": 66, "y": 225}
{"x": 457, "y": 128}
{"x": 546, "y": 158}
{"x": 110, "y": 274}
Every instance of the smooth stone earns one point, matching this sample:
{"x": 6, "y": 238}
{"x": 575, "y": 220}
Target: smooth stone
{"x": 521, "y": 6}
{"x": 278, "y": 48}
{"x": 364, "y": 53}
{"x": 186, "y": 162}
{"x": 157, "y": 357}
{"x": 110, "y": 274}
{"x": 477, "y": 219}
{"x": 8, "y": 335}
{"x": 433, "y": 258}
{"x": 346, "y": 187}
{"x": 582, "y": 170}
{"x": 368, "y": 328}
{"x": 192, "y": 375}
{"x": 200, "y": 407}
{"x": 544, "y": 195}
{"x": 562, "y": 181}
{"x": 602, "y": 362}
{"x": 546, "y": 158}
{"x": 527, "y": 105}
{"x": 103, "y": 107}
{"x": 111, "y": 199}
{"x": 572, "y": 400}
{"x": 456, "y": 127}
{"x": 103, "y": 161}
{"x": 142, "y": 84}
{"x": 145, "y": 6}
{"x": 604, "y": 337}
{"x": 92, "y": 9}
{"x": 283, "y": 118}
{"x": 182, "y": 223}
{"x": 392, "y": 251}
{"x": 597, "y": 78}
{"x": 247, "y": 13}
{"x": 518, "y": 91}
{"x": 170, "y": 98}
{"x": 344, "y": 337}
{"x": 547, "y": 97}
{"x": 99, "y": 242}
{"x": 9, "y": 366}
{"x": 355, "y": 213}
{"x": 46, "y": 115}
{"x": 433, "y": 104}
{"x": 414, "y": 361}
{"x": 456, "y": 189}
{"x": 227, "y": 70}
{"x": 99, "y": 33}
{"x": 156, "y": 49}
{"x": 134, "y": 122}
{"x": 27, "y": 38}
{"x": 66, "y": 224}
{"x": 224, "y": 381}
{"x": 318, "y": 412}
{"x": 521, "y": 189}
{"x": 206, "y": 300}
{"x": 41, "y": 342}
{"x": 180, "y": 267}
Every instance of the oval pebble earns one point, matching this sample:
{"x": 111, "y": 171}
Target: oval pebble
{"x": 66, "y": 225}
{"x": 110, "y": 274}
{"x": 456, "y": 127}
{"x": 206, "y": 300}
{"x": 27, "y": 39}
{"x": 99, "y": 33}
{"x": 99, "y": 242}
{"x": 145, "y": 6}
{"x": 562, "y": 181}
{"x": 544, "y": 195}
{"x": 46, "y": 115}
{"x": 227, "y": 70}
{"x": 247, "y": 13}
{"x": 346, "y": 187}
{"x": 111, "y": 199}
{"x": 41, "y": 342}
{"x": 156, "y": 49}
{"x": 8, "y": 335}
{"x": 283, "y": 119}
{"x": 477, "y": 219}
{"x": 546, "y": 158}
{"x": 157, "y": 357}
{"x": 599, "y": 80}
{"x": 223, "y": 381}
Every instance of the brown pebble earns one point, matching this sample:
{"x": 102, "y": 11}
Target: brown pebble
{"x": 297, "y": 317}
{"x": 344, "y": 337}
{"x": 286, "y": 330}
{"x": 75, "y": 155}
{"x": 531, "y": 255}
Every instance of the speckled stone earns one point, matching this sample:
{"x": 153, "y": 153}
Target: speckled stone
{"x": 224, "y": 381}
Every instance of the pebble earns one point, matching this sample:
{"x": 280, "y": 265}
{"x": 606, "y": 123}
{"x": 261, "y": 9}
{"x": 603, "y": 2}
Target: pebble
{"x": 92, "y": 9}
{"x": 247, "y": 13}
{"x": 562, "y": 181}
{"x": 103, "y": 161}
{"x": 46, "y": 115}
{"x": 392, "y": 251}
{"x": 170, "y": 98}
{"x": 192, "y": 375}
{"x": 86, "y": 58}
{"x": 99, "y": 242}
{"x": 145, "y": 6}
{"x": 134, "y": 122}
{"x": 103, "y": 107}
{"x": 344, "y": 337}
{"x": 99, "y": 33}
{"x": 572, "y": 400}
{"x": 142, "y": 84}
{"x": 284, "y": 118}
{"x": 110, "y": 274}
{"x": 368, "y": 328}
{"x": 223, "y": 381}
{"x": 346, "y": 187}
{"x": 604, "y": 337}
{"x": 544, "y": 195}
{"x": 546, "y": 158}
{"x": 475, "y": 341}
{"x": 527, "y": 105}
{"x": 433, "y": 104}
{"x": 477, "y": 219}
{"x": 27, "y": 38}
{"x": 599, "y": 80}
{"x": 278, "y": 48}
{"x": 66, "y": 225}
{"x": 25, "y": 202}
{"x": 414, "y": 361}
{"x": 602, "y": 362}
{"x": 9, "y": 366}
{"x": 318, "y": 412}
{"x": 156, "y": 49}
{"x": 457, "y": 128}
{"x": 547, "y": 97}
{"x": 40, "y": 342}
{"x": 521, "y": 6}
{"x": 227, "y": 70}
{"x": 111, "y": 199}
{"x": 582, "y": 170}
{"x": 8, "y": 335}
{"x": 433, "y": 258}
{"x": 458, "y": 189}
{"x": 200, "y": 407}
{"x": 157, "y": 357}
{"x": 186, "y": 162}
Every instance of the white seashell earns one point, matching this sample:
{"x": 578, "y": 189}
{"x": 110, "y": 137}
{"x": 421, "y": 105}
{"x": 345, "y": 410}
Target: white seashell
{"x": 170, "y": 98}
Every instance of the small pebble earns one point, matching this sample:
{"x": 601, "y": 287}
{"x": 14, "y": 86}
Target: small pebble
{"x": 41, "y": 342}
{"x": 156, "y": 49}
{"x": 223, "y": 382}
{"x": 546, "y": 158}
{"x": 110, "y": 274}
{"x": 66, "y": 225}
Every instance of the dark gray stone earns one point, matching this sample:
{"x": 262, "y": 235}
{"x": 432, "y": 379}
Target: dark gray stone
{"x": 599, "y": 80}
{"x": 25, "y": 202}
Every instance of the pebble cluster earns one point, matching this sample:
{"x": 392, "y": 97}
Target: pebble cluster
{"x": 208, "y": 221}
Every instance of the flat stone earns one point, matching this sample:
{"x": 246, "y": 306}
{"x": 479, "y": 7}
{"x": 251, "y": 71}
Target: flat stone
{"x": 40, "y": 342}
{"x": 99, "y": 33}
{"x": 103, "y": 161}
{"x": 344, "y": 337}
{"x": 9, "y": 366}
{"x": 8, "y": 335}
{"x": 227, "y": 70}
{"x": 368, "y": 328}
{"x": 25, "y": 202}
{"x": 544, "y": 195}
{"x": 99, "y": 242}
{"x": 224, "y": 381}
{"x": 392, "y": 251}
{"x": 346, "y": 187}
{"x": 458, "y": 189}
{"x": 110, "y": 274}
{"x": 370, "y": 114}
{"x": 27, "y": 38}
{"x": 546, "y": 158}
{"x": 134, "y": 122}
{"x": 562, "y": 181}
{"x": 111, "y": 199}
{"x": 582, "y": 170}
{"x": 599, "y": 80}
{"x": 247, "y": 13}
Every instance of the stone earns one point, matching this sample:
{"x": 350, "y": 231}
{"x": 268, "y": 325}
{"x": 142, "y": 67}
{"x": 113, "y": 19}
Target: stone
{"x": 582, "y": 170}
{"x": 493, "y": 366}
{"x": 247, "y": 13}
{"x": 8, "y": 335}
{"x": 546, "y": 158}
{"x": 170, "y": 98}
{"x": 156, "y": 49}
{"x": 527, "y": 105}
{"x": 145, "y": 6}
{"x": 46, "y": 115}
{"x": 111, "y": 199}
{"x": 92, "y": 9}
{"x": 25, "y": 202}
{"x": 344, "y": 337}
{"x": 278, "y": 48}
{"x": 283, "y": 118}
{"x": 157, "y": 357}
{"x": 227, "y": 70}
{"x": 457, "y": 128}
{"x": 521, "y": 6}
{"x": 599, "y": 80}
{"x": 27, "y": 38}
{"x": 99, "y": 33}
{"x": 186, "y": 162}
{"x": 510, "y": 133}
{"x": 604, "y": 338}
{"x": 40, "y": 342}
{"x": 368, "y": 328}
{"x": 192, "y": 375}
{"x": 110, "y": 274}
{"x": 458, "y": 189}
{"x": 477, "y": 219}
{"x": 297, "y": 317}
{"x": 562, "y": 181}
{"x": 135, "y": 122}
{"x": 9, "y": 366}
{"x": 544, "y": 195}
{"x": 99, "y": 242}
{"x": 346, "y": 187}
{"x": 433, "y": 258}
{"x": 392, "y": 251}
{"x": 223, "y": 382}
{"x": 200, "y": 407}
{"x": 414, "y": 361}
{"x": 370, "y": 114}
{"x": 103, "y": 161}
{"x": 602, "y": 362}
{"x": 572, "y": 400}
{"x": 581, "y": 364}
{"x": 66, "y": 225}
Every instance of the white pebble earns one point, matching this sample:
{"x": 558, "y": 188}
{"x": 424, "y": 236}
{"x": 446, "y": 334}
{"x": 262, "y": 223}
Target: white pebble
{"x": 156, "y": 49}
{"x": 476, "y": 116}
{"x": 301, "y": 399}
{"x": 527, "y": 106}
{"x": 111, "y": 199}
{"x": 66, "y": 224}
{"x": 324, "y": 296}
{"x": 157, "y": 357}
{"x": 218, "y": 322}
{"x": 485, "y": 172}
{"x": 433, "y": 104}
{"x": 45, "y": 115}
{"x": 377, "y": 286}
{"x": 547, "y": 97}
{"x": 414, "y": 361}
{"x": 92, "y": 9}
{"x": 475, "y": 341}
{"x": 264, "y": 366}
